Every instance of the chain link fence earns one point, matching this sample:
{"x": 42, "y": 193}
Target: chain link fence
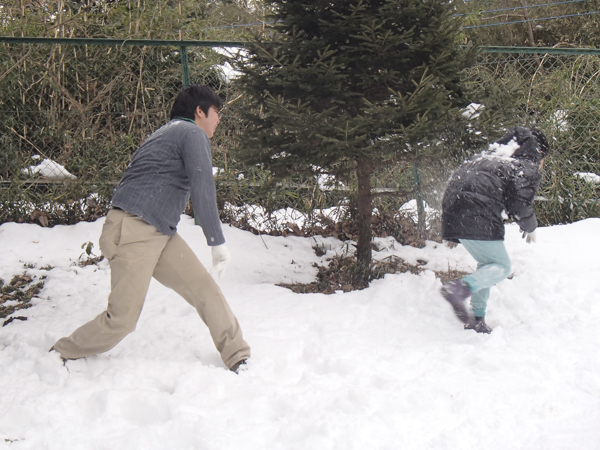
{"x": 557, "y": 91}
{"x": 74, "y": 112}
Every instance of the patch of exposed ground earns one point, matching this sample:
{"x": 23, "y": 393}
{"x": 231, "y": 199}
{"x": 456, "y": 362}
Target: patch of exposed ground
{"x": 341, "y": 274}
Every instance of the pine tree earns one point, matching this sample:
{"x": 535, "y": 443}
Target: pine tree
{"x": 347, "y": 86}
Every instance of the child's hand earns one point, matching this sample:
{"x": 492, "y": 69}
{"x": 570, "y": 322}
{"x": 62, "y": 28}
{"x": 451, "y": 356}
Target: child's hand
{"x": 450, "y": 244}
{"x": 529, "y": 237}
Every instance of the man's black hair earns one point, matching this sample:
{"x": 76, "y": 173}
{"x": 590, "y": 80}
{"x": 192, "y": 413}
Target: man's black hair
{"x": 194, "y": 96}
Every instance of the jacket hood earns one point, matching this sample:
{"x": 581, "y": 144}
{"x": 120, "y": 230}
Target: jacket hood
{"x": 527, "y": 143}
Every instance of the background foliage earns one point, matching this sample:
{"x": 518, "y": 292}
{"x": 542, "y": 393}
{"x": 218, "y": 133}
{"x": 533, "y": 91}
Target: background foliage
{"x": 88, "y": 108}
{"x": 547, "y": 23}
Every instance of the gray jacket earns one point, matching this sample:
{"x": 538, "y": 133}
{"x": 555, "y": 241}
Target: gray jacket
{"x": 172, "y": 164}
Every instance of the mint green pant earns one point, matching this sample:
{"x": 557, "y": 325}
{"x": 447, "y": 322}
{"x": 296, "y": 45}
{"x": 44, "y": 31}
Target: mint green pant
{"x": 493, "y": 266}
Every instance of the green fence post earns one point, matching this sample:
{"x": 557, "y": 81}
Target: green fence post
{"x": 185, "y": 78}
{"x": 420, "y": 204}
{"x": 185, "y": 66}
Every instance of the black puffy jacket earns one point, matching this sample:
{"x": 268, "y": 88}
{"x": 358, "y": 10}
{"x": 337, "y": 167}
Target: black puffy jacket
{"x": 505, "y": 179}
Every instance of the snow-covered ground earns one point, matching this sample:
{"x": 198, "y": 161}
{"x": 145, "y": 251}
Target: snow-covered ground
{"x": 388, "y": 367}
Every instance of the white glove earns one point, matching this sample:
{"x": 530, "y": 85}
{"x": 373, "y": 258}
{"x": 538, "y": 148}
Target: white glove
{"x": 450, "y": 244}
{"x": 220, "y": 259}
{"x": 529, "y": 237}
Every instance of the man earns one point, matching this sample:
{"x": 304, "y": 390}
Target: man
{"x": 140, "y": 240}
{"x": 500, "y": 181}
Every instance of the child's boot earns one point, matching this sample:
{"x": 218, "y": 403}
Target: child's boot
{"x": 479, "y": 325}
{"x": 456, "y": 292}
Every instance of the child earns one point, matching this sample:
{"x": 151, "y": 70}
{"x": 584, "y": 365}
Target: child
{"x": 502, "y": 179}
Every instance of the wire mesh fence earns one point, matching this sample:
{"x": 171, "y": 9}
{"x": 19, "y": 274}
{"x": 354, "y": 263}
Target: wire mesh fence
{"x": 558, "y": 91}
{"x": 74, "y": 112}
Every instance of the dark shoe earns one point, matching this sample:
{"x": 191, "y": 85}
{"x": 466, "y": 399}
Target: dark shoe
{"x": 456, "y": 292}
{"x": 239, "y": 366}
{"x": 479, "y": 325}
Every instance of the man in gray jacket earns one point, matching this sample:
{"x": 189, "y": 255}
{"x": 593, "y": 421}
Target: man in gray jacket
{"x": 140, "y": 240}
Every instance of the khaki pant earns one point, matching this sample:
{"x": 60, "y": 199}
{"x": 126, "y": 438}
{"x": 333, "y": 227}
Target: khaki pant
{"x": 136, "y": 251}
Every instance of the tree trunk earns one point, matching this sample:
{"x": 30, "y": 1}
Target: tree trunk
{"x": 421, "y": 228}
{"x": 365, "y": 210}
{"x": 528, "y": 23}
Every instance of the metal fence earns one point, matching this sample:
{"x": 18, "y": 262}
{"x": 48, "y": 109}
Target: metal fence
{"x": 73, "y": 111}
{"x": 558, "y": 91}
